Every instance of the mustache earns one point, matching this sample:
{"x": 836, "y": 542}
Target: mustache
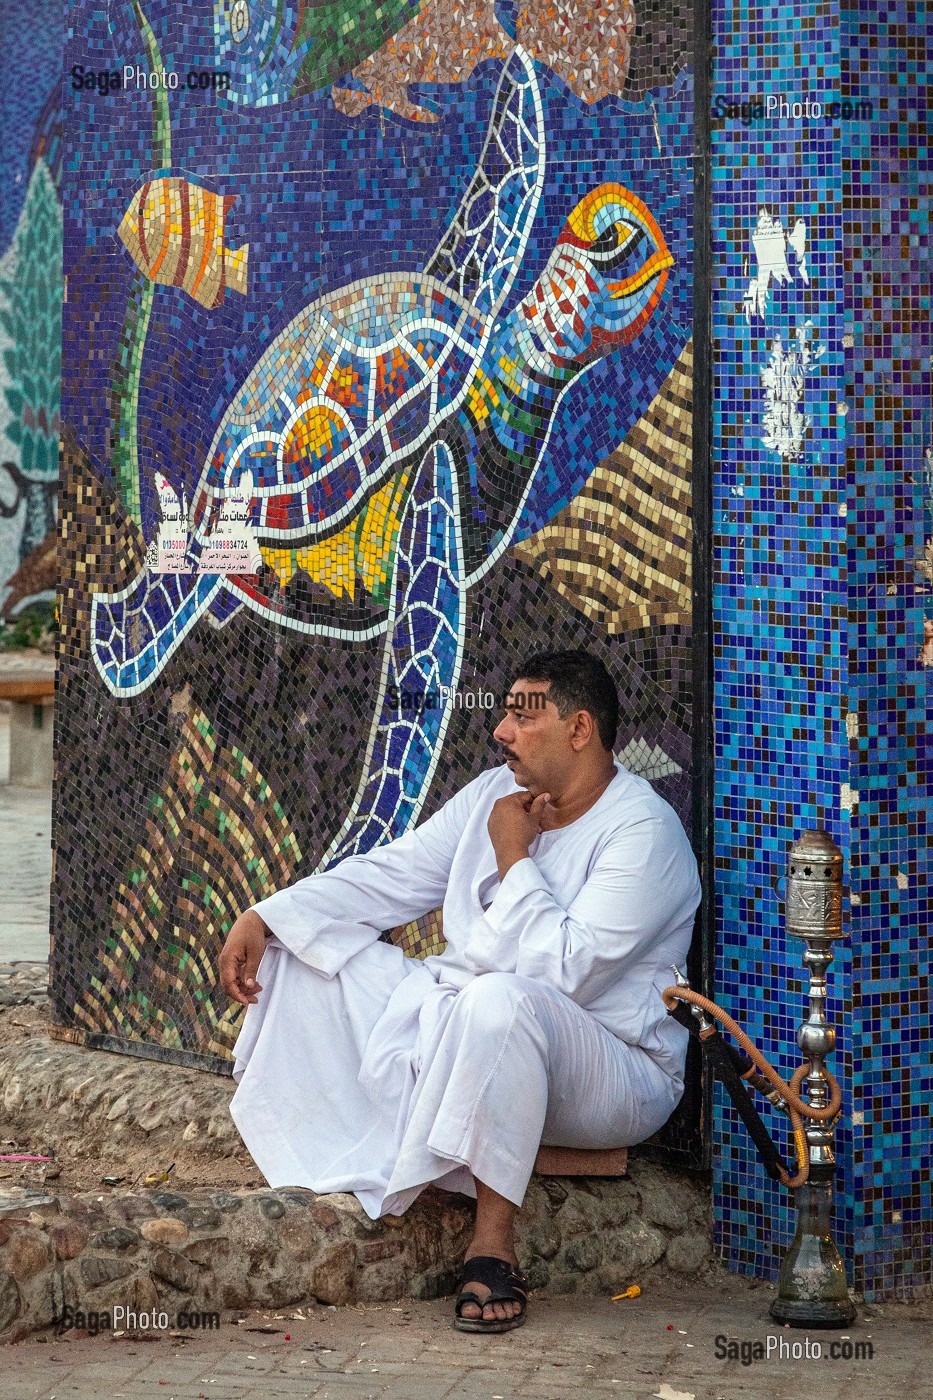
{"x": 507, "y": 753}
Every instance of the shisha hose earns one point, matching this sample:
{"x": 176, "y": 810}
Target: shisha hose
{"x": 788, "y": 1096}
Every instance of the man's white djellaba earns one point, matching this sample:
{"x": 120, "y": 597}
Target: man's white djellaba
{"x": 361, "y": 1070}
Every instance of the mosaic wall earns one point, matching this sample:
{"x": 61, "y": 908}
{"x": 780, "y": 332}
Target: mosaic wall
{"x": 889, "y": 446}
{"x": 822, "y": 433}
{"x": 377, "y": 374}
{"x": 30, "y": 302}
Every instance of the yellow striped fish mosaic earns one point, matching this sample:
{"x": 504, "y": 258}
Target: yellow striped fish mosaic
{"x": 174, "y": 232}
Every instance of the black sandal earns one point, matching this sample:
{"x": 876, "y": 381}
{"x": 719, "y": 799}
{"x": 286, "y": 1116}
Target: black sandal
{"x": 506, "y": 1284}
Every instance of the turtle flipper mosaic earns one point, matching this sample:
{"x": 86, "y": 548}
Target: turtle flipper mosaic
{"x": 421, "y": 664}
{"x": 371, "y": 371}
{"x": 485, "y": 242}
{"x": 134, "y": 632}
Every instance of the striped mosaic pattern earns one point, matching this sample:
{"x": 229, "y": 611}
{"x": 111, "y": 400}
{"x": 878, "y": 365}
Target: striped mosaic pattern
{"x": 622, "y": 550}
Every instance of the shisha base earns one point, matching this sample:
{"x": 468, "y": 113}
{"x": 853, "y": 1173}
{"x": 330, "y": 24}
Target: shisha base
{"x": 812, "y": 1289}
{"x": 816, "y": 1315}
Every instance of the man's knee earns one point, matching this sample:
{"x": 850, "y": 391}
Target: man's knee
{"x": 491, "y": 1001}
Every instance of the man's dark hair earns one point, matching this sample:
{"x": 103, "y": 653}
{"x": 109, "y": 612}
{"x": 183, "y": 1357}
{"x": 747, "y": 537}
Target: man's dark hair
{"x": 578, "y": 681}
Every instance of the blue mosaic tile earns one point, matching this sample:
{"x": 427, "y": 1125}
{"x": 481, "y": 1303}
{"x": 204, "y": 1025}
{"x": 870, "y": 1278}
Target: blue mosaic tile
{"x": 821, "y": 701}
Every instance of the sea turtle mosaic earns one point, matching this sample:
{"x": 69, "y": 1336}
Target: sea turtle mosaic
{"x": 422, "y": 389}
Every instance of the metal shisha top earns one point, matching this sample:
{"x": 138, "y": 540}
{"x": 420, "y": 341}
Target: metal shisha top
{"x": 814, "y": 887}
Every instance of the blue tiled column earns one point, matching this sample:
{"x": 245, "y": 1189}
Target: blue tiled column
{"x": 821, "y": 700}
{"x": 779, "y": 552}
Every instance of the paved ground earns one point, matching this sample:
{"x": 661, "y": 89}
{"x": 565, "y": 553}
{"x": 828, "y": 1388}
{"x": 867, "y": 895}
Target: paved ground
{"x": 25, "y": 862}
{"x": 4, "y": 742}
{"x": 25, "y": 873}
{"x": 662, "y": 1344}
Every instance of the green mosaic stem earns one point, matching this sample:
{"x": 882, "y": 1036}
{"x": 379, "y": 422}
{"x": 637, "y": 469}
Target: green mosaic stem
{"x": 161, "y": 119}
{"x": 124, "y": 388}
{"x": 275, "y": 34}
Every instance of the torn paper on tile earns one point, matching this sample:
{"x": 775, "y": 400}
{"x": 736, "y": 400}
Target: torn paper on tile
{"x": 784, "y": 378}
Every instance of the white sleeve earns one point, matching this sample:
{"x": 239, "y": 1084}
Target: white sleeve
{"x": 625, "y": 907}
{"x": 327, "y": 917}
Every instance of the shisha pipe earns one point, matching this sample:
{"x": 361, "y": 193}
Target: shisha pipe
{"x": 812, "y": 1289}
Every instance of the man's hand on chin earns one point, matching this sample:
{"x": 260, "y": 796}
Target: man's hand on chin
{"x": 240, "y": 958}
{"x": 513, "y": 824}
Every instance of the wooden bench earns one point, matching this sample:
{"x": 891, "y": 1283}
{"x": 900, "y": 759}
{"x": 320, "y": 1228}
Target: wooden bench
{"x": 31, "y": 692}
{"x": 579, "y": 1161}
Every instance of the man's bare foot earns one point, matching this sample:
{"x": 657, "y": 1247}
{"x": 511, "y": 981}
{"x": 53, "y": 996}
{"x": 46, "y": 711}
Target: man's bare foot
{"x": 494, "y": 1237}
{"x": 501, "y": 1312}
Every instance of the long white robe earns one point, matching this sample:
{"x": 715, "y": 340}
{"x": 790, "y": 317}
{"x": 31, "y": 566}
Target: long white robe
{"x": 361, "y": 1070}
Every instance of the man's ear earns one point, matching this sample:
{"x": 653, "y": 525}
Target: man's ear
{"x": 582, "y": 730}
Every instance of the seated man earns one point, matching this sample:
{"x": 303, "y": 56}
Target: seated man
{"x": 569, "y": 889}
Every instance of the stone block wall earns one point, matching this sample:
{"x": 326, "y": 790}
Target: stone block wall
{"x": 219, "y": 1250}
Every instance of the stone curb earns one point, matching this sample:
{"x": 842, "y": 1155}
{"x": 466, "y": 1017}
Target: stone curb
{"x": 212, "y": 1249}
{"x": 215, "y": 1250}
{"x": 52, "y": 1091}
{"x": 24, "y": 982}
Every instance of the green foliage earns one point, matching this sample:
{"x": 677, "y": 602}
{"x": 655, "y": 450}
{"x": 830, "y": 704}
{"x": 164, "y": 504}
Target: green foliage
{"x": 343, "y": 33}
{"x": 35, "y": 626}
{"x": 31, "y": 316}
